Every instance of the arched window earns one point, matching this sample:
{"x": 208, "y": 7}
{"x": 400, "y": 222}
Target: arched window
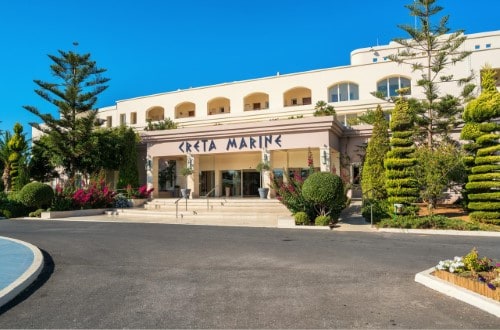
{"x": 256, "y": 101}
{"x": 297, "y": 96}
{"x": 346, "y": 91}
{"x": 218, "y": 105}
{"x": 185, "y": 109}
{"x": 155, "y": 113}
{"x": 388, "y": 87}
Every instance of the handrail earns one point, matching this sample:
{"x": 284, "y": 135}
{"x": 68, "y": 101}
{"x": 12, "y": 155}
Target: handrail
{"x": 177, "y": 206}
{"x": 208, "y": 197}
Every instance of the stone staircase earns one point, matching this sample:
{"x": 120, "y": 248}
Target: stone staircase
{"x": 216, "y": 211}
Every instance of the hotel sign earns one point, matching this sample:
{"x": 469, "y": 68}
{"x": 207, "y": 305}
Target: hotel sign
{"x": 243, "y": 143}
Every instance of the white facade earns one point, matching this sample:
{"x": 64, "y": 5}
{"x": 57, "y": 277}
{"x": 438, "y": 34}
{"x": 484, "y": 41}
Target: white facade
{"x": 223, "y": 128}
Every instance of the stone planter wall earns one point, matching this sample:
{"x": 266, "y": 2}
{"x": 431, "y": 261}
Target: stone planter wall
{"x": 136, "y": 202}
{"x": 73, "y": 213}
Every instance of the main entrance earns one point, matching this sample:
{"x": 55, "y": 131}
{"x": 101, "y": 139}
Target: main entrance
{"x": 240, "y": 183}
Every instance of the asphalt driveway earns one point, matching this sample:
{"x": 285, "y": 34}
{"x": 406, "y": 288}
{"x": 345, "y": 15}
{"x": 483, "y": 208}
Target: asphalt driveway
{"x": 112, "y": 275}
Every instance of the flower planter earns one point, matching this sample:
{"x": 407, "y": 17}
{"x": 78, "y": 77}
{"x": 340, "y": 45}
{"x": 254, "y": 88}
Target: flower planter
{"x": 136, "y": 202}
{"x": 469, "y": 284}
{"x": 263, "y": 192}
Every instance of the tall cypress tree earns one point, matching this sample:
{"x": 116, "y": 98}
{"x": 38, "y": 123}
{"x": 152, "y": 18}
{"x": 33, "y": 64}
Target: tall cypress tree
{"x": 75, "y": 94}
{"x": 432, "y": 49}
{"x": 402, "y": 187}
{"x": 481, "y": 116}
{"x": 373, "y": 173}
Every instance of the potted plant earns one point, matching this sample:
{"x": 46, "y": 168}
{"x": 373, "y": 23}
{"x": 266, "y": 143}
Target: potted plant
{"x": 261, "y": 167}
{"x": 228, "y": 190}
{"x": 185, "y": 172}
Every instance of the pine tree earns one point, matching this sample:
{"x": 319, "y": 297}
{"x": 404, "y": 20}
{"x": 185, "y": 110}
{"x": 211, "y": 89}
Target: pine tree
{"x": 402, "y": 187}
{"x": 69, "y": 139}
{"x": 373, "y": 173}
{"x": 431, "y": 50}
{"x": 481, "y": 116}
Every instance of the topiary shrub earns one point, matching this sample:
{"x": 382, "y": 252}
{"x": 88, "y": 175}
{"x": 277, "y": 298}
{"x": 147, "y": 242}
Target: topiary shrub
{"x": 301, "y": 218}
{"x": 36, "y": 194}
{"x": 326, "y": 191}
{"x": 322, "y": 220}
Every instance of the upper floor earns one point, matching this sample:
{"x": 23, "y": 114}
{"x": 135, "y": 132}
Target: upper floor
{"x": 348, "y": 88}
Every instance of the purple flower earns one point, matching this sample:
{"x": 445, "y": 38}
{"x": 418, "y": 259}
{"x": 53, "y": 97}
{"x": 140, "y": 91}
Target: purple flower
{"x": 491, "y": 286}
{"x": 482, "y": 279}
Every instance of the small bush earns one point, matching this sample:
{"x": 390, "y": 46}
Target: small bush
{"x": 322, "y": 220}
{"x": 301, "y": 218}
{"x": 36, "y": 194}
{"x": 36, "y": 214}
{"x": 432, "y": 222}
{"x": 121, "y": 201}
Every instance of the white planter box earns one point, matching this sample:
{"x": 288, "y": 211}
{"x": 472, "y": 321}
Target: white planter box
{"x": 73, "y": 213}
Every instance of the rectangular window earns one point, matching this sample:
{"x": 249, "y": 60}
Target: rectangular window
{"x": 123, "y": 119}
{"x": 191, "y": 113}
{"x": 343, "y": 92}
{"x": 109, "y": 121}
{"x": 294, "y": 101}
{"x": 393, "y": 86}
{"x": 477, "y": 47}
{"x": 133, "y": 118}
{"x": 306, "y": 100}
{"x": 221, "y": 109}
{"x": 335, "y": 97}
{"x": 256, "y": 106}
{"x": 374, "y": 60}
{"x": 488, "y": 45}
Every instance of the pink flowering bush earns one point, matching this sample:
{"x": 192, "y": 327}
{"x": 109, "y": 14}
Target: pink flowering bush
{"x": 290, "y": 194}
{"x": 141, "y": 192}
{"x": 95, "y": 195}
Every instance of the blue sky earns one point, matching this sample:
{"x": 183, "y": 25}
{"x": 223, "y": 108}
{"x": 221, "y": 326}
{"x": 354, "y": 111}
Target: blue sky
{"x": 154, "y": 46}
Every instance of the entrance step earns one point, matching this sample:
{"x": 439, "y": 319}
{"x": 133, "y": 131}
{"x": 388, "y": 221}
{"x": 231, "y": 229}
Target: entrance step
{"x": 217, "y": 211}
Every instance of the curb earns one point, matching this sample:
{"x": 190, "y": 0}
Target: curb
{"x": 484, "y": 303}
{"x": 29, "y": 276}
{"x": 440, "y": 232}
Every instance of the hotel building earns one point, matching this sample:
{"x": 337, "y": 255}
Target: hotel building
{"x": 225, "y": 130}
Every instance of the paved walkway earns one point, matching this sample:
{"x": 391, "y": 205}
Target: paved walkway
{"x": 20, "y": 265}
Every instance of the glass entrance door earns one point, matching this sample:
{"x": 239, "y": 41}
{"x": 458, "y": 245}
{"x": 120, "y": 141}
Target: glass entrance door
{"x": 207, "y": 183}
{"x": 251, "y": 183}
{"x": 232, "y": 181}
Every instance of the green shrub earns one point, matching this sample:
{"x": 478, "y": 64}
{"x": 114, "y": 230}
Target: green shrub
{"x": 36, "y": 194}
{"x": 11, "y": 208}
{"x": 492, "y": 176}
{"x": 482, "y": 185}
{"x": 484, "y": 196}
{"x": 322, "y": 220}
{"x": 326, "y": 191}
{"x": 402, "y": 163}
{"x": 301, "y": 218}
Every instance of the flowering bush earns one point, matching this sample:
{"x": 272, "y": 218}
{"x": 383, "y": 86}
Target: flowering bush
{"x": 453, "y": 266}
{"x": 141, "y": 192}
{"x": 290, "y": 194}
{"x": 95, "y": 195}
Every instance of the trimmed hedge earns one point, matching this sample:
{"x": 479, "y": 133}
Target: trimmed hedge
{"x": 488, "y": 139}
{"x": 488, "y": 150}
{"x": 491, "y": 176}
{"x": 484, "y": 196}
{"x": 487, "y": 160}
{"x": 486, "y": 217}
{"x": 485, "y": 168}
{"x": 482, "y": 185}
{"x": 484, "y": 206}
{"x": 396, "y": 163}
